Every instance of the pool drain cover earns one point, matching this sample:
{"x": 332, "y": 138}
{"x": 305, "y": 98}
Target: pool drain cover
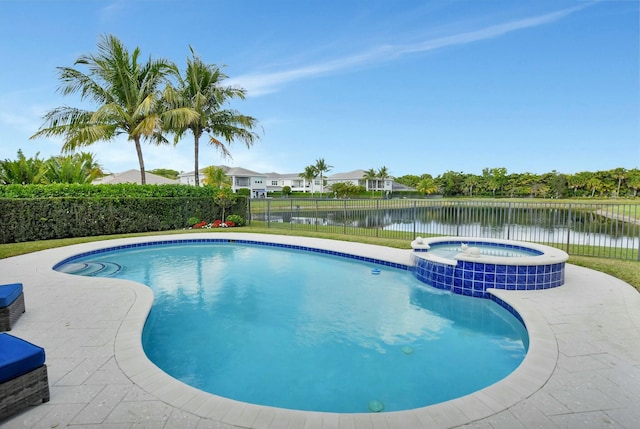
{"x": 376, "y": 406}
{"x": 407, "y": 350}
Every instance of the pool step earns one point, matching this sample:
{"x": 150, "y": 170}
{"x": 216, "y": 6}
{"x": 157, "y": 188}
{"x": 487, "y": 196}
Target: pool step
{"x": 92, "y": 269}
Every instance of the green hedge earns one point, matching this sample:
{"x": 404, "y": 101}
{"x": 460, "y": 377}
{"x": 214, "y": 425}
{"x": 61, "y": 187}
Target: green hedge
{"x": 29, "y": 219}
{"x": 58, "y": 190}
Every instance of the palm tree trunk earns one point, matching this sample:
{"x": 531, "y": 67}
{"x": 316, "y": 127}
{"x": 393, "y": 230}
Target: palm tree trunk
{"x": 143, "y": 175}
{"x": 196, "y": 139}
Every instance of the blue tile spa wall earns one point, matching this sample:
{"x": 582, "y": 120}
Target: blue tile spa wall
{"x": 474, "y": 278}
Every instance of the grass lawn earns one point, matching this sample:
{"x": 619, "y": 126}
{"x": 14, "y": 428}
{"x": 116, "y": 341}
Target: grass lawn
{"x": 628, "y": 271}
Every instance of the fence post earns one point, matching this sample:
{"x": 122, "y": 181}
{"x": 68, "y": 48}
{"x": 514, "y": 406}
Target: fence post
{"x": 415, "y": 215}
{"x": 509, "y": 221}
{"x": 569, "y": 228}
{"x": 344, "y": 223}
{"x": 635, "y": 216}
{"x": 268, "y": 213}
{"x": 457, "y": 218}
{"x": 377, "y": 216}
{"x": 248, "y": 216}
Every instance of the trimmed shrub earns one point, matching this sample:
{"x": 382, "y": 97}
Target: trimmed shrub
{"x": 29, "y": 219}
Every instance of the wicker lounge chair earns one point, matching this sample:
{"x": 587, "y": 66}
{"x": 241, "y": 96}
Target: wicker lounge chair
{"x": 11, "y": 305}
{"x": 23, "y": 375}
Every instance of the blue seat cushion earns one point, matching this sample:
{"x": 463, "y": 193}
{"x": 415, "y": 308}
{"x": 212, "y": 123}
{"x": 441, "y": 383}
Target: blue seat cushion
{"x": 9, "y": 293}
{"x": 18, "y": 357}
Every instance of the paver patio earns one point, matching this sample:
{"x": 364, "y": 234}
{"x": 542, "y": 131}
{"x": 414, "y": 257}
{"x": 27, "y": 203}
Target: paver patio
{"x": 582, "y": 369}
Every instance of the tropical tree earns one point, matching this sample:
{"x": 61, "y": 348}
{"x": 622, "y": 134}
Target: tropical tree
{"x": 166, "y": 172}
{"x": 309, "y": 174}
{"x": 451, "y": 182}
{"x": 201, "y": 89}
{"x": 347, "y": 189}
{"x": 127, "y": 96}
{"x": 594, "y": 184}
{"x": 410, "y": 180}
{"x": 495, "y": 178}
{"x": 620, "y": 174}
{"x": 556, "y": 183}
{"x": 322, "y": 167}
{"x": 224, "y": 198}
{"x": 383, "y": 174}
{"x": 216, "y": 177}
{"x": 578, "y": 181}
{"x": 23, "y": 171}
{"x": 427, "y": 185}
{"x": 368, "y": 176}
{"x": 470, "y": 182}
{"x": 633, "y": 181}
{"x": 76, "y": 168}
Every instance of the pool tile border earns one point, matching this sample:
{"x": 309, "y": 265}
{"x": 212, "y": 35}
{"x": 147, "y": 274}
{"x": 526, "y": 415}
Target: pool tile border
{"x": 233, "y": 241}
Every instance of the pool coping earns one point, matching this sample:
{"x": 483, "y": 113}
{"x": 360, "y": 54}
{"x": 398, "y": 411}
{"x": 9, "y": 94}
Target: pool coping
{"x": 550, "y": 255}
{"x": 529, "y": 377}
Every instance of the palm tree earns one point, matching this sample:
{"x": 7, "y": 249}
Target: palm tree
{"x": 322, "y": 167}
{"x": 369, "y": 175}
{"x": 470, "y": 182}
{"x": 201, "y": 89}
{"x": 633, "y": 181}
{"x": 216, "y": 177}
{"x": 309, "y": 174}
{"x": 595, "y": 184}
{"x": 620, "y": 174}
{"x": 383, "y": 174}
{"x": 427, "y": 185}
{"x": 127, "y": 95}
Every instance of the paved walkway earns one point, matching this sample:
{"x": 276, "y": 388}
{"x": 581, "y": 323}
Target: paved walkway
{"x": 582, "y": 369}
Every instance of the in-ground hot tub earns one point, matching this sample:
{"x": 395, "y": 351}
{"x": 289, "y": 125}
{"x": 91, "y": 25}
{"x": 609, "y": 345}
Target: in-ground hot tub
{"x": 470, "y": 266}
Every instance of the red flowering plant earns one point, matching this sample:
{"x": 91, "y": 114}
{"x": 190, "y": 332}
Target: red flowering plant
{"x": 232, "y": 221}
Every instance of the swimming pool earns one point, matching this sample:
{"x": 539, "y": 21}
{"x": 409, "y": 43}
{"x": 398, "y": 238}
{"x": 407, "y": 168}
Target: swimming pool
{"x": 421, "y": 313}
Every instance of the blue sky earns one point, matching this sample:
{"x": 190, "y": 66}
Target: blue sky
{"x": 423, "y": 86}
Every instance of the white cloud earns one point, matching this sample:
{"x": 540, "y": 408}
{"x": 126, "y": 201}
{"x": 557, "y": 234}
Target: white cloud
{"x": 258, "y": 84}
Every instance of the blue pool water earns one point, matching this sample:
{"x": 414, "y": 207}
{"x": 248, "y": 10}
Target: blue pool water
{"x": 449, "y": 250}
{"x": 308, "y": 331}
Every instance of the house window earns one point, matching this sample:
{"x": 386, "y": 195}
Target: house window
{"x": 274, "y": 183}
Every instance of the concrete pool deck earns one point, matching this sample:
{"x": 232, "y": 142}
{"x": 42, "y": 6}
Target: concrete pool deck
{"x": 582, "y": 369}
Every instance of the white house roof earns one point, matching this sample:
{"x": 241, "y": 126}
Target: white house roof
{"x": 229, "y": 171}
{"x": 133, "y": 176}
{"x": 351, "y": 175}
{"x": 275, "y": 175}
{"x": 239, "y": 171}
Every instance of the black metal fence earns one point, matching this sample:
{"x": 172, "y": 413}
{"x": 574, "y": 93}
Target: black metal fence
{"x": 603, "y": 230}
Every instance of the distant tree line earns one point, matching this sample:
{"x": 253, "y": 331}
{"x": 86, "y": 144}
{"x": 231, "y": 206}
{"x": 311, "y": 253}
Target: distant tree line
{"x": 496, "y": 182}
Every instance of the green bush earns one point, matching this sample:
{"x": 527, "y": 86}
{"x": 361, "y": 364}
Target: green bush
{"x": 237, "y": 220}
{"x": 192, "y": 221}
{"x": 243, "y": 192}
